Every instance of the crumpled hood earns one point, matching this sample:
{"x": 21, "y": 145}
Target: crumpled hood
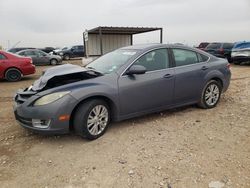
{"x": 56, "y": 71}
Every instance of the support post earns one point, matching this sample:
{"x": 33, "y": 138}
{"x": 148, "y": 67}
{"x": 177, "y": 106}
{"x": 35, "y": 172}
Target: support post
{"x": 131, "y": 39}
{"x": 100, "y": 35}
{"x": 161, "y": 35}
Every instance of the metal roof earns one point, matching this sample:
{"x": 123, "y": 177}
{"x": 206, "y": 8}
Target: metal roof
{"x": 122, "y": 30}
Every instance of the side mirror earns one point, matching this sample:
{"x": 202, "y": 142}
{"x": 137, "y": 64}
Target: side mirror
{"x": 136, "y": 69}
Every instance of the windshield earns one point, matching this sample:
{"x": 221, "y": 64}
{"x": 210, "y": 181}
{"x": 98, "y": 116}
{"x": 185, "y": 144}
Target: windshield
{"x": 64, "y": 48}
{"x": 112, "y": 61}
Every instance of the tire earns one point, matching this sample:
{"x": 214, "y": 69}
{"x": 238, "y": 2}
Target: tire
{"x": 66, "y": 57}
{"x": 86, "y": 122}
{"x": 237, "y": 62}
{"x": 53, "y": 62}
{"x": 210, "y": 95}
{"x": 13, "y": 75}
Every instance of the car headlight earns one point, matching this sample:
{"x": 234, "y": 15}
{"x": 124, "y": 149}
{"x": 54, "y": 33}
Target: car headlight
{"x": 50, "y": 98}
{"x": 61, "y": 53}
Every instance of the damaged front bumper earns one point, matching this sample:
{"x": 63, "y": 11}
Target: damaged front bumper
{"x": 43, "y": 119}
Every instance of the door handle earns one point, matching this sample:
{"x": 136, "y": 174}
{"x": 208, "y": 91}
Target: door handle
{"x": 204, "y": 68}
{"x": 168, "y": 76}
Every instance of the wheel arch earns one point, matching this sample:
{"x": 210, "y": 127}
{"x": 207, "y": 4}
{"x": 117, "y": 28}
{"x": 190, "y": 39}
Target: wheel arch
{"x": 52, "y": 60}
{"x": 109, "y": 101}
{"x": 215, "y": 75}
{"x": 218, "y": 80}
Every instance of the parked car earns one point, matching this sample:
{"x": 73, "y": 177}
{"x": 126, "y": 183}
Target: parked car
{"x": 203, "y": 45}
{"x": 222, "y": 50}
{"x": 47, "y": 49}
{"x": 41, "y": 58}
{"x": 128, "y": 82}
{"x": 15, "y": 50}
{"x": 13, "y": 67}
{"x": 55, "y": 52}
{"x": 71, "y": 52}
{"x": 241, "y": 52}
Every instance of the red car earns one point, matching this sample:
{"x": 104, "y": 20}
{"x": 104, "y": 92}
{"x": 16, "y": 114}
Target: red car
{"x": 13, "y": 67}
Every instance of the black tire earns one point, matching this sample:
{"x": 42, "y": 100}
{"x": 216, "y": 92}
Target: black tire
{"x": 13, "y": 75}
{"x": 53, "y": 62}
{"x": 66, "y": 57}
{"x": 203, "y": 103}
{"x": 237, "y": 62}
{"x": 82, "y": 115}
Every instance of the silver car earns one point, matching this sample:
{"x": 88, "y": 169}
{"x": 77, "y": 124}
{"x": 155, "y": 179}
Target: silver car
{"x": 41, "y": 58}
{"x": 128, "y": 82}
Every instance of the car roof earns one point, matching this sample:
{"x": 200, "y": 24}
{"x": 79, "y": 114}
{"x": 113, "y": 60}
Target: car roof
{"x": 27, "y": 50}
{"x": 154, "y": 45}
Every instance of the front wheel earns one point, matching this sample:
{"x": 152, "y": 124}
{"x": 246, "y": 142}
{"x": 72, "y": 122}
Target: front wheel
{"x": 210, "y": 94}
{"x": 53, "y": 62}
{"x": 92, "y": 119}
{"x": 66, "y": 57}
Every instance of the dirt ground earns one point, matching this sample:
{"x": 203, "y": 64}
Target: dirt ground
{"x": 186, "y": 147}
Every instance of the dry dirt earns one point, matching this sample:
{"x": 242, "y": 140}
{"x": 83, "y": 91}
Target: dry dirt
{"x": 186, "y": 147}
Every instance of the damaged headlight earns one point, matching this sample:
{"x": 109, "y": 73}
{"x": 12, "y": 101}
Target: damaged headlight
{"x": 50, "y": 98}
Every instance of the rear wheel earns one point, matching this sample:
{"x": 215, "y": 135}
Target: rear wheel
{"x": 92, "y": 119}
{"x": 13, "y": 75}
{"x": 66, "y": 57}
{"x": 210, "y": 94}
{"x": 237, "y": 62}
{"x": 53, "y": 61}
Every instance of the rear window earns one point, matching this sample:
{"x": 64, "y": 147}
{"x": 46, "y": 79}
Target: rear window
{"x": 203, "y": 44}
{"x": 214, "y": 46}
{"x": 2, "y": 57}
{"x": 228, "y": 45}
{"x": 202, "y": 58}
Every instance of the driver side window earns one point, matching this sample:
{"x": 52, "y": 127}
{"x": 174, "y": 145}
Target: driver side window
{"x": 154, "y": 60}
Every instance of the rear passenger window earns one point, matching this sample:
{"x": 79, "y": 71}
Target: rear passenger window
{"x": 228, "y": 45}
{"x": 202, "y": 58}
{"x": 185, "y": 57}
{"x": 2, "y": 57}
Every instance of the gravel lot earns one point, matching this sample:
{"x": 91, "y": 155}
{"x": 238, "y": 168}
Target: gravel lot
{"x": 185, "y": 147}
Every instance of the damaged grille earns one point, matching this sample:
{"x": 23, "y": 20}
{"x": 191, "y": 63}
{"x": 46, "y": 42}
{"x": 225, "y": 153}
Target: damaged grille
{"x": 25, "y": 121}
{"x": 24, "y": 95}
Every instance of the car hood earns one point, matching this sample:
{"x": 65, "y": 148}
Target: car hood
{"x": 61, "y": 75}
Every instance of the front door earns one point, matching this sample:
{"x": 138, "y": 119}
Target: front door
{"x": 150, "y": 91}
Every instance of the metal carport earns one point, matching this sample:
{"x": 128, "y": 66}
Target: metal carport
{"x": 101, "y": 40}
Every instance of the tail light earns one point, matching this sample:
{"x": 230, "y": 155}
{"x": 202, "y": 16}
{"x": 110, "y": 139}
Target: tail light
{"x": 228, "y": 65}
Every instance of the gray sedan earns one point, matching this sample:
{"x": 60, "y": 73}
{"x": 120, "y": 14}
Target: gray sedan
{"x": 41, "y": 58}
{"x": 125, "y": 83}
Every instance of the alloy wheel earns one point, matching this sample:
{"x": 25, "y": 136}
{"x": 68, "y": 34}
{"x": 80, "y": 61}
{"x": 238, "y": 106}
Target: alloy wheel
{"x": 97, "y": 120}
{"x": 212, "y": 94}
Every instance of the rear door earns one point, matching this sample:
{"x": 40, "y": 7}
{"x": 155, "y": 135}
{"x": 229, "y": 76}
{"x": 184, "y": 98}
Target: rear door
{"x": 79, "y": 51}
{"x": 190, "y": 71}
{"x": 32, "y": 54}
{"x": 44, "y": 58}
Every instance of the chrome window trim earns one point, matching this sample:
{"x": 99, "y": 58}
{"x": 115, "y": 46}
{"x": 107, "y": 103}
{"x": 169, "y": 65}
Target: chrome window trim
{"x": 167, "y": 48}
{"x": 157, "y": 48}
{"x": 194, "y": 52}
